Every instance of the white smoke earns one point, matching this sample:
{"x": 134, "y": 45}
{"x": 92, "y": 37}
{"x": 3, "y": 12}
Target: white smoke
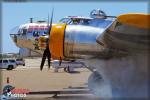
{"x": 127, "y": 76}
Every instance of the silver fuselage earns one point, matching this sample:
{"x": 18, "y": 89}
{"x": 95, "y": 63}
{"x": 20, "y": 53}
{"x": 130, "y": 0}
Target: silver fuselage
{"x": 80, "y": 40}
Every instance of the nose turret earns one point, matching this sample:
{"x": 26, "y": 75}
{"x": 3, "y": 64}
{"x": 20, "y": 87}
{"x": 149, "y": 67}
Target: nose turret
{"x": 18, "y": 35}
{"x": 14, "y": 34}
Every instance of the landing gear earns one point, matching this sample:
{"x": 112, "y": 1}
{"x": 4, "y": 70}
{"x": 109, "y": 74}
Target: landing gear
{"x": 97, "y": 86}
{"x": 69, "y": 69}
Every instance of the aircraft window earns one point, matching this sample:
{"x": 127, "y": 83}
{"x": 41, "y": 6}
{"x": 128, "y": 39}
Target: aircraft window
{"x": 15, "y": 30}
{"x": 75, "y": 21}
{"x": 35, "y": 33}
{"x": 24, "y": 31}
{"x": 84, "y": 21}
{"x": 65, "y": 20}
{"x": 44, "y": 33}
{"x": 19, "y": 31}
{"x": 80, "y": 21}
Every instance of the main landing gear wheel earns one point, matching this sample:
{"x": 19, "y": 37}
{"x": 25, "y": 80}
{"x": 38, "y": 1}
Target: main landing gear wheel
{"x": 69, "y": 69}
{"x": 97, "y": 86}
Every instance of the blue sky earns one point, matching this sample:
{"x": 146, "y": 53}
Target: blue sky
{"x": 14, "y": 14}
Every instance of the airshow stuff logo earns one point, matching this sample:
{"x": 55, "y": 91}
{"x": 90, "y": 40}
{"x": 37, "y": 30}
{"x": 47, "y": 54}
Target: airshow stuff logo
{"x": 10, "y": 92}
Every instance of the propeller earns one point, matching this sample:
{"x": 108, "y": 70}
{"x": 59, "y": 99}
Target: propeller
{"x": 47, "y": 53}
{"x": 60, "y": 61}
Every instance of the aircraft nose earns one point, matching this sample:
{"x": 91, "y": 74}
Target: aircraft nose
{"x": 14, "y": 33}
{"x": 14, "y": 37}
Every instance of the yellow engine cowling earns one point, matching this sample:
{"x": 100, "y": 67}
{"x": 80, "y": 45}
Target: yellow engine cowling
{"x": 56, "y": 40}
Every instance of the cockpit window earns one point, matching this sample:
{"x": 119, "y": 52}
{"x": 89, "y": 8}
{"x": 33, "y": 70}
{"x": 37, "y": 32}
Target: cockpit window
{"x": 75, "y": 21}
{"x": 65, "y": 20}
{"x": 15, "y": 30}
{"x": 22, "y": 31}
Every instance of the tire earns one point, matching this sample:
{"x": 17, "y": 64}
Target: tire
{"x": 68, "y": 70}
{"x": 10, "y": 67}
{"x": 65, "y": 69}
{"x": 23, "y": 64}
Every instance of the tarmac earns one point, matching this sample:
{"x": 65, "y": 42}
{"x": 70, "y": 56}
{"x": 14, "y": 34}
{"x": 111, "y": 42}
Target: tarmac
{"x": 45, "y": 84}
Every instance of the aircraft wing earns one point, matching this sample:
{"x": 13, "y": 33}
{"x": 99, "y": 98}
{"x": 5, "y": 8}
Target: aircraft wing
{"x": 129, "y": 33}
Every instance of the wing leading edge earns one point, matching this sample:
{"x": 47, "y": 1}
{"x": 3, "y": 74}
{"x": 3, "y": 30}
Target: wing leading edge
{"x": 129, "y": 32}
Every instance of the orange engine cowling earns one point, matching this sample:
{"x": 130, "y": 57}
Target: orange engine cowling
{"x": 56, "y": 40}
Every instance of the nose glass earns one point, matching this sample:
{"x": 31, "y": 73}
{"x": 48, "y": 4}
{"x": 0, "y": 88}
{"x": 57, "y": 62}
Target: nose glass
{"x": 13, "y": 33}
{"x": 15, "y": 30}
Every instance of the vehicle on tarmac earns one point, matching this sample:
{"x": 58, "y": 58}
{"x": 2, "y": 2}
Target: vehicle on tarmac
{"x": 8, "y": 64}
{"x": 20, "y": 61}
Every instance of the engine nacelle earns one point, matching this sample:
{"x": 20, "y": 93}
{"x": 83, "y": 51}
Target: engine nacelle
{"x": 75, "y": 41}
{"x": 79, "y": 41}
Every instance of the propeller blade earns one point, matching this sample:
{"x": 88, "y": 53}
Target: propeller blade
{"x": 50, "y": 26}
{"x": 49, "y": 30}
{"x": 47, "y": 53}
{"x": 49, "y": 58}
{"x": 60, "y": 61}
{"x": 48, "y": 21}
{"x": 43, "y": 59}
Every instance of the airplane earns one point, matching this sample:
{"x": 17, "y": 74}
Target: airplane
{"x": 33, "y": 36}
{"x": 116, "y": 48}
{"x": 32, "y": 39}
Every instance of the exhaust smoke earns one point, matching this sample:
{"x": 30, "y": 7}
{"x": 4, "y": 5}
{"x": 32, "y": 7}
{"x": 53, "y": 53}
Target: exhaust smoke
{"x": 127, "y": 76}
